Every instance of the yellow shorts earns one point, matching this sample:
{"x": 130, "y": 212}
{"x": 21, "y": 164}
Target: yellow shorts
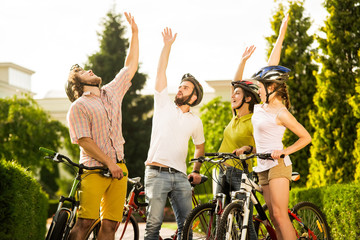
{"x": 279, "y": 171}
{"x": 102, "y": 195}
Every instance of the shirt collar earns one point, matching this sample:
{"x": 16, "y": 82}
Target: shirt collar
{"x": 245, "y": 117}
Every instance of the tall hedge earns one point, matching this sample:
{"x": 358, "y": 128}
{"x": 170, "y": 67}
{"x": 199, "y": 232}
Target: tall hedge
{"x": 355, "y": 103}
{"x": 333, "y": 119}
{"x": 23, "y": 205}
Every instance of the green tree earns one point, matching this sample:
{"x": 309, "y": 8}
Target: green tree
{"x": 24, "y": 127}
{"x": 355, "y": 103}
{"x": 332, "y": 159}
{"x": 296, "y": 55}
{"x": 136, "y": 108}
{"x": 215, "y": 116}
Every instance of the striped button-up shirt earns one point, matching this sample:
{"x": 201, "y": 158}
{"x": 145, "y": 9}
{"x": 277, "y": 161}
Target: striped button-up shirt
{"x": 100, "y": 119}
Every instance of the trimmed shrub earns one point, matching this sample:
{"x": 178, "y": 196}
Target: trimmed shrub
{"x": 339, "y": 202}
{"x": 23, "y": 205}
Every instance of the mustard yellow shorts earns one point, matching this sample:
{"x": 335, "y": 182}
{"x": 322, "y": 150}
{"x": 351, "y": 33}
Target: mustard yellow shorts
{"x": 279, "y": 171}
{"x": 102, "y": 196}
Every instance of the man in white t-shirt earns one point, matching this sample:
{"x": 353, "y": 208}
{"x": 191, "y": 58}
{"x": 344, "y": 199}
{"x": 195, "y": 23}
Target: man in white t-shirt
{"x": 173, "y": 125}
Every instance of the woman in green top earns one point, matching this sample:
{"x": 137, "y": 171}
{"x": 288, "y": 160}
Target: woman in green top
{"x": 239, "y": 132}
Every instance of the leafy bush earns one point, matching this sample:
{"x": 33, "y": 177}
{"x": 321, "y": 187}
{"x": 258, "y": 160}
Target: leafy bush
{"x": 339, "y": 202}
{"x": 23, "y": 205}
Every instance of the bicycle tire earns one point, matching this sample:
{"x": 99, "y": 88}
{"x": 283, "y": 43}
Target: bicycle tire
{"x": 313, "y": 218}
{"x": 94, "y": 230}
{"x": 199, "y": 224}
{"x": 231, "y": 222}
{"x": 131, "y": 233}
{"x": 57, "y": 227}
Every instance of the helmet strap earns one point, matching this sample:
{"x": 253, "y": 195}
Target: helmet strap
{"x": 90, "y": 84}
{"x": 268, "y": 94}
{"x": 242, "y": 103}
{"x": 186, "y": 102}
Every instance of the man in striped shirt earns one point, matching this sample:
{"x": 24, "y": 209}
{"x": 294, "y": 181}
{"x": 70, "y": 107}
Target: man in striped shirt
{"x": 94, "y": 120}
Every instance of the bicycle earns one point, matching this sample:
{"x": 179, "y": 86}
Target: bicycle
{"x": 308, "y": 220}
{"x": 202, "y": 221}
{"x": 65, "y": 217}
{"x": 133, "y": 205}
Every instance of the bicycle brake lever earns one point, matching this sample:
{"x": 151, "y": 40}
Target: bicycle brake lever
{"x": 106, "y": 173}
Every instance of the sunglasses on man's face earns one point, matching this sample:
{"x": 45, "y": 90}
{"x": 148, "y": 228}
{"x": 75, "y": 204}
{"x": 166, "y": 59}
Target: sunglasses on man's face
{"x": 75, "y": 66}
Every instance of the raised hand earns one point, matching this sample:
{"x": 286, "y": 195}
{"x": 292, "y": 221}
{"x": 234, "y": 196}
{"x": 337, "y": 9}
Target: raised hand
{"x": 131, "y": 21}
{"x": 248, "y": 52}
{"x": 168, "y": 36}
{"x": 274, "y": 58}
{"x": 284, "y": 24}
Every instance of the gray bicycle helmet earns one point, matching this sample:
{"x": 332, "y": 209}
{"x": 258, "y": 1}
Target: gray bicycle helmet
{"x": 198, "y": 89}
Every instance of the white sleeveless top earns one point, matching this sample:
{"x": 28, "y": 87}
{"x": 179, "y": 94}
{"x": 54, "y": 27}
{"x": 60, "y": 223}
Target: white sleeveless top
{"x": 268, "y": 136}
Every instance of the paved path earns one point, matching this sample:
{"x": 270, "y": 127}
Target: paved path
{"x": 164, "y": 233}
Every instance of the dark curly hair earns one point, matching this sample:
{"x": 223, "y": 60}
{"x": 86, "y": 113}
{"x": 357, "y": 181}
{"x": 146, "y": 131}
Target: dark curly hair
{"x": 74, "y": 88}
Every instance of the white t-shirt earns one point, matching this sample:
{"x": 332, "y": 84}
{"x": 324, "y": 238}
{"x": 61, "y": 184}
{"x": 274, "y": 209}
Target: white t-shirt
{"x": 268, "y": 136}
{"x": 171, "y": 131}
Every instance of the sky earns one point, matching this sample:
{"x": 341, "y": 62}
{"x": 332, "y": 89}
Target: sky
{"x": 48, "y": 37}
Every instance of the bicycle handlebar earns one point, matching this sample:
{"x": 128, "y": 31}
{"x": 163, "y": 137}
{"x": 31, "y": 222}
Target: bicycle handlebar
{"x": 226, "y": 156}
{"x": 57, "y": 157}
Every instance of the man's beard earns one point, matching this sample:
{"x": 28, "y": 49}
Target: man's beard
{"x": 94, "y": 82}
{"x": 179, "y": 101}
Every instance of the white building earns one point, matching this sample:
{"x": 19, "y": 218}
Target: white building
{"x": 14, "y": 80}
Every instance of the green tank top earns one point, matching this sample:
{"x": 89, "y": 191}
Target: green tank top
{"x": 238, "y": 133}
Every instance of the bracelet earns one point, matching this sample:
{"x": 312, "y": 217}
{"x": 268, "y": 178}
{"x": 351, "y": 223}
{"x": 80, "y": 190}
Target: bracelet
{"x": 195, "y": 171}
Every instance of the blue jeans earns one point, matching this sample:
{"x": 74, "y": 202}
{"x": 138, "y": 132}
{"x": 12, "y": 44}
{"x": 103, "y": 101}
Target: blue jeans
{"x": 232, "y": 183}
{"x": 158, "y": 187}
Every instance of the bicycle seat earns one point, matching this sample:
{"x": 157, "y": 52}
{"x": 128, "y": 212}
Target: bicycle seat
{"x": 295, "y": 176}
{"x": 134, "y": 180}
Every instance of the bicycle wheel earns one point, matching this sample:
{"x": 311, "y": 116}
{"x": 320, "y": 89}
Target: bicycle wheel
{"x": 57, "y": 227}
{"x": 94, "y": 230}
{"x": 231, "y": 222}
{"x": 260, "y": 228}
{"x": 128, "y": 230}
{"x": 200, "y": 223}
{"x": 313, "y": 219}
{"x": 131, "y": 232}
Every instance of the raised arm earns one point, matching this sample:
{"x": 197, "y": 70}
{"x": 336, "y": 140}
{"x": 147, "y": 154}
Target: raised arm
{"x": 274, "y": 58}
{"x": 161, "y": 80}
{"x": 132, "y": 59}
{"x": 246, "y": 55}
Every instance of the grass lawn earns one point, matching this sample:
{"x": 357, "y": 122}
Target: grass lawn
{"x": 169, "y": 225}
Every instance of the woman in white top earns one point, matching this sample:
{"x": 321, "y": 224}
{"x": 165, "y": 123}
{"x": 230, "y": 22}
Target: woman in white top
{"x": 270, "y": 120}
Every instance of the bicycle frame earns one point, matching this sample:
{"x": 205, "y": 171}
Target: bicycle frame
{"x": 249, "y": 188}
{"x": 67, "y": 222}
{"x": 247, "y": 193}
{"x": 133, "y": 205}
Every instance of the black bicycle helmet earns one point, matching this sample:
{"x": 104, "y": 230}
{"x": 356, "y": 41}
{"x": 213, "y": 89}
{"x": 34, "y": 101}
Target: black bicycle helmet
{"x": 198, "y": 89}
{"x": 272, "y": 74}
{"x": 249, "y": 87}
